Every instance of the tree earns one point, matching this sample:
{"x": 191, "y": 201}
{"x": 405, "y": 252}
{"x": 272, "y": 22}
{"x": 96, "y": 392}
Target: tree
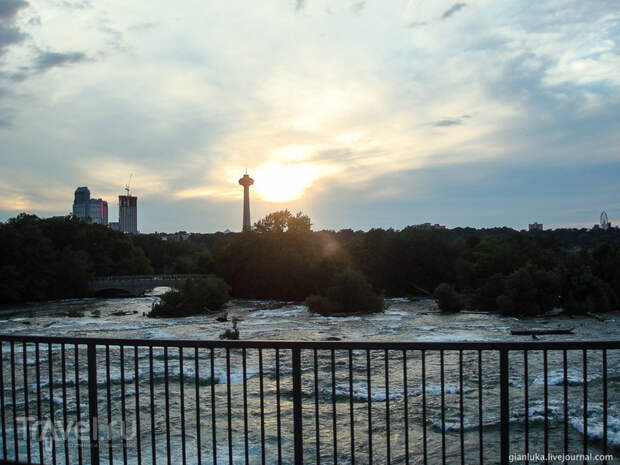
{"x": 283, "y": 220}
{"x": 448, "y": 299}
{"x": 529, "y": 291}
{"x": 275, "y": 222}
{"x": 54, "y": 258}
{"x": 299, "y": 223}
{"x": 582, "y": 290}
{"x": 193, "y": 296}
{"x": 351, "y": 293}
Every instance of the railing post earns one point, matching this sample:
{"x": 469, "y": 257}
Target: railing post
{"x": 92, "y": 404}
{"x": 504, "y": 405}
{"x": 297, "y": 416}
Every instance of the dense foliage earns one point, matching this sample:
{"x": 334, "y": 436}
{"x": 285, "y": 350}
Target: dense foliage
{"x": 192, "y": 297}
{"x": 497, "y": 270}
{"x": 351, "y": 293}
{"x": 283, "y": 220}
{"x": 448, "y": 299}
{"x": 54, "y": 258}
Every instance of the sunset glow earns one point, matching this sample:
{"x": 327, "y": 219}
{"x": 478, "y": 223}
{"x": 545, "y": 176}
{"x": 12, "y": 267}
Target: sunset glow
{"x": 408, "y": 111}
{"x": 281, "y": 183}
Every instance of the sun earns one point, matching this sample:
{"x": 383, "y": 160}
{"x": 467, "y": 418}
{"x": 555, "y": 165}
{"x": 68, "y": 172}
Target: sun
{"x": 282, "y": 183}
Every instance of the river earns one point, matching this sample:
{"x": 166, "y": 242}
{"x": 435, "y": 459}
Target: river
{"x": 402, "y": 321}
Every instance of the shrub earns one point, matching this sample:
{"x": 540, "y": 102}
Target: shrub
{"x": 320, "y": 304}
{"x": 351, "y": 293}
{"x": 232, "y": 334}
{"x": 506, "y": 306}
{"x": 191, "y": 297}
{"x": 448, "y": 299}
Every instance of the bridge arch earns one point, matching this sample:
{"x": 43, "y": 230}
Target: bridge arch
{"x": 137, "y": 285}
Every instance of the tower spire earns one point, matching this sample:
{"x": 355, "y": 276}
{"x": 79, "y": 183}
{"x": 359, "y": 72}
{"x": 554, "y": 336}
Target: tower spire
{"x": 246, "y": 181}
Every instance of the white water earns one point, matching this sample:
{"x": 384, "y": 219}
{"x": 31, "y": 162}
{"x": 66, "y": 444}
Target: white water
{"x": 402, "y": 321}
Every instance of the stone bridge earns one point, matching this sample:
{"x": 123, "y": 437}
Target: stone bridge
{"x": 136, "y": 285}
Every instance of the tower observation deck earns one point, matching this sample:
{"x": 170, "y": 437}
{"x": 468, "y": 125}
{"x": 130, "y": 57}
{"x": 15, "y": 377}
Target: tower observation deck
{"x": 246, "y": 181}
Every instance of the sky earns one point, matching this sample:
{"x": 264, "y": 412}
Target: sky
{"x": 361, "y": 114}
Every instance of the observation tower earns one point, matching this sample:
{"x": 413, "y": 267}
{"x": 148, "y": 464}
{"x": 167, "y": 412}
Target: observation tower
{"x": 246, "y": 181}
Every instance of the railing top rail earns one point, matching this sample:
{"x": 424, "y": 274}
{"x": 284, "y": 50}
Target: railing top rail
{"x": 337, "y": 345}
{"x": 147, "y": 276}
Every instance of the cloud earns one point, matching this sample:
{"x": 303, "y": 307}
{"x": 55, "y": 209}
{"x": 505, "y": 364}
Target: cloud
{"x": 194, "y": 102}
{"x": 16, "y": 76}
{"x": 414, "y": 24}
{"x": 560, "y": 120}
{"x": 9, "y": 8}
{"x": 358, "y": 7}
{"x": 143, "y": 26}
{"x": 115, "y": 41}
{"x": 5, "y": 120}
{"x": 48, "y": 60}
{"x": 6, "y": 113}
{"x": 9, "y": 34}
{"x": 446, "y": 122}
{"x": 445, "y": 194}
{"x": 41, "y": 63}
{"x": 79, "y": 5}
{"x": 453, "y": 9}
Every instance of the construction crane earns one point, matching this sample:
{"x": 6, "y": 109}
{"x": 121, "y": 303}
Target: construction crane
{"x": 128, "y": 184}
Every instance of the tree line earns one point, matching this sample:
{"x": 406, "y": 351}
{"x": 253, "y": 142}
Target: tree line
{"x": 496, "y": 269}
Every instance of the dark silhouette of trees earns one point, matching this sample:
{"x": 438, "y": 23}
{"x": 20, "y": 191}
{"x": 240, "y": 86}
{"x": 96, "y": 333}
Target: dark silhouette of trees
{"x": 448, "y": 299}
{"x": 53, "y": 258}
{"x": 495, "y": 269}
{"x": 351, "y": 293}
{"x": 192, "y": 297}
{"x": 283, "y": 220}
{"x": 279, "y": 265}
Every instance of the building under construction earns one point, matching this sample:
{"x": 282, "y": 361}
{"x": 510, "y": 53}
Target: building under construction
{"x": 128, "y": 213}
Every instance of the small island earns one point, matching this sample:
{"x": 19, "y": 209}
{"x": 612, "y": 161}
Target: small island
{"x": 192, "y": 297}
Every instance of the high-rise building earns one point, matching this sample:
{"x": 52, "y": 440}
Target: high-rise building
{"x": 81, "y": 200}
{"x": 85, "y": 208}
{"x": 128, "y": 213}
{"x": 246, "y": 181}
{"x": 535, "y": 226}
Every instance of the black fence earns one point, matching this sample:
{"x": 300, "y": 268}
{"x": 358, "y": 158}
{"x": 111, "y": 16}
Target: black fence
{"x": 91, "y": 401}
{"x": 148, "y": 277}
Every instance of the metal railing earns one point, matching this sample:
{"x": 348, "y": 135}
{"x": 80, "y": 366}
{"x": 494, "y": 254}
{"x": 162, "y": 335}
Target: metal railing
{"x": 149, "y": 277}
{"x": 94, "y": 400}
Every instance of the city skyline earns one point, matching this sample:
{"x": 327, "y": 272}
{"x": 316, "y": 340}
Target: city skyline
{"x": 359, "y": 114}
{"x": 247, "y": 181}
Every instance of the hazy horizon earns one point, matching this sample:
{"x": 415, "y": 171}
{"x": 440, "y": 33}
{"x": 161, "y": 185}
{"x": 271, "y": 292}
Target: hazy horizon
{"x": 361, "y": 114}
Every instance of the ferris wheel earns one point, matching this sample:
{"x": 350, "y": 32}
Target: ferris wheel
{"x": 604, "y": 220}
